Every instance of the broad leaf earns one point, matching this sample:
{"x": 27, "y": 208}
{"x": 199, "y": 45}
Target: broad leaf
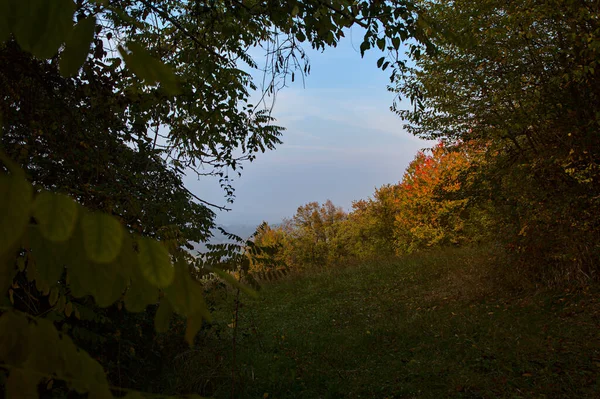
{"x": 163, "y": 315}
{"x": 53, "y": 297}
{"x": 7, "y": 272}
{"x": 235, "y": 283}
{"x": 148, "y": 68}
{"x": 194, "y": 324}
{"x": 155, "y": 263}
{"x": 77, "y": 46}
{"x": 42, "y": 26}
{"x": 15, "y": 205}
{"x": 185, "y": 294}
{"x": 102, "y": 237}
{"x": 49, "y": 257}
{"x": 5, "y": 19}
{"x": 45, "y": 354}
{"x": 110, "y": 285}
{"x": 14, "y": 339}
{"x": 70, "y": 365}
{"x": 22, "y": 384}
{"x": 56, "y": 215}
{"x": 140, "y": 293}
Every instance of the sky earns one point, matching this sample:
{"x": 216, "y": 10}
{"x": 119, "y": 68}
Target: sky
{"x": 341, "y": 141}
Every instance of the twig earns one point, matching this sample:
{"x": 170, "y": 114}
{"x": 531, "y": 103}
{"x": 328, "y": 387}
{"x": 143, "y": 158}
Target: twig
{"x": 219, "y": 207}
{"x": 235, "y": 327}
{"x": 254, "y": 327}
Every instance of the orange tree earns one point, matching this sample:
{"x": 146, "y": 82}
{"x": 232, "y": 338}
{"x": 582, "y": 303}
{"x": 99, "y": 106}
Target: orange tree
{"x": 429, "y": 209}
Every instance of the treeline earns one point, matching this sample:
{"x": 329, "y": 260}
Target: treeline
{"x": 439, "y": 202}
{"x": 429, "y": 207}
{"x": 512, "y": 91}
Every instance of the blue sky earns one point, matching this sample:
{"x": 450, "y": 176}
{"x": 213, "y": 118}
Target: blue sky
{"x": 341, "y": 142}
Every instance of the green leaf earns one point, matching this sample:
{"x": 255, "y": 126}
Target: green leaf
{"x": 77, "y": 264}
{"x": 101, "y": 280}
{"x": 102, "y": 237}
{"x": 364, "y": 46}
{"x": 53, "y": 297}
{"x": 22, "y": 384}
{"x": 7, "y": 272}
{"x": 45, "y": 355}
{"x": 15, "y": 205}
{"x": 5, "y": 20}
{"x": 148, "y": 68}
{"x": 194, "y": 324}
{"x": 41, "y": 26}
{"x": 14, "y": 338}
{"x": 140, "y": 293}
{"x": 235, "y": 283}
{"x": 162, "y": 319}
{"x": 127, "y": 260}
{"x": 56, "y": 215}
{"x": 185, "y": 294}
{"x": 70, "y": 364}
{"x": 300, "y": 37}
{"x": 83, "y": 373}
{"x": 49, "y": 257}
{"x": 77, "y": 46}
{"x": 155, "y": 263}
{"x": 109, "y": 286}
{"x": 380, "y": 62}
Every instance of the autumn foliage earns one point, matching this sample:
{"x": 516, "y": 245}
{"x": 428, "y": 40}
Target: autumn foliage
{"x": 427, "y": 208}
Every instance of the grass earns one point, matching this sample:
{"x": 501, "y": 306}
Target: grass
{"x": 445, "y": 324}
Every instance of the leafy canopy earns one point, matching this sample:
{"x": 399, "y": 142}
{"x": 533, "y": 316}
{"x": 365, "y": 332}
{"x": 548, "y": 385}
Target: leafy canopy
{"x": 105, "y": 106}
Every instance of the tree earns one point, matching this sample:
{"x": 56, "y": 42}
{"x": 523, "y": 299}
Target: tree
{"x": 313, "y": 231}
{"x": 370, "y": 224}
{"x": 162, "y": 90}
{"x": 272, "y": 241}
{"x": 521, "y": 79}
{"x": 428, "y": 211}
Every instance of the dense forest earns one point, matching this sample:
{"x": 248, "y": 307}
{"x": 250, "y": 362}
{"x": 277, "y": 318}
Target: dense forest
{"x": 476, "y": 275}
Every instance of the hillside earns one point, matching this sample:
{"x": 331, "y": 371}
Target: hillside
{"x": 428, "y": 326}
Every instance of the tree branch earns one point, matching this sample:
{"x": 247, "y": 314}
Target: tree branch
{"x": 219, "y": 207}
{"x": 167, "y": 17}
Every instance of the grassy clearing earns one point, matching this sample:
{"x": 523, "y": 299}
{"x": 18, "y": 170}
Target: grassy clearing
{"x": 429, "y": 326}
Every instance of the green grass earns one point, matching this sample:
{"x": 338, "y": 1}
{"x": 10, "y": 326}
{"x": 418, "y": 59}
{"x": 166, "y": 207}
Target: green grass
{"x": 445, "y": 324}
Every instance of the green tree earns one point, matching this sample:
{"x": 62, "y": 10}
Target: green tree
{"x": 112, "y": 103}
{"x": 370, "y": 225}
{"x": 313, "y": 236}
{"x": 521, "y": 79}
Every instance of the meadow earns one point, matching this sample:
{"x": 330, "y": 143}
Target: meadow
{"x": 447, "y": 323}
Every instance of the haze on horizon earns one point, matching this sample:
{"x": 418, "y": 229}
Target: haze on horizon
{"x": 341, "y": 142}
